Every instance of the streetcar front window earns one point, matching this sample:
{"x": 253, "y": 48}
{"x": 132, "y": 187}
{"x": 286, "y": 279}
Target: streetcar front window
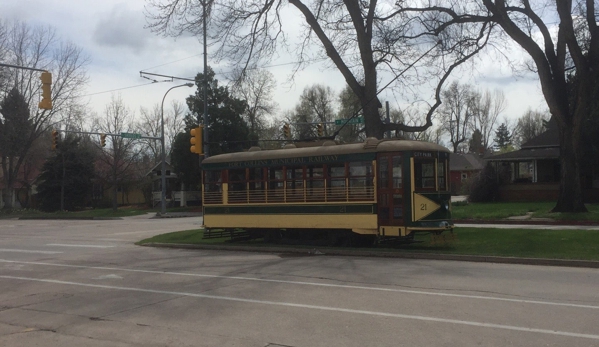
{"x": 424, "y": 172}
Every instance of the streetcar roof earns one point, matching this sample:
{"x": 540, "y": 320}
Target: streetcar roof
{"x": 371, "y": 145}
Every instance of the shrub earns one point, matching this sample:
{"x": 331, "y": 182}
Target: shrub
{"x": 484, "y": 187}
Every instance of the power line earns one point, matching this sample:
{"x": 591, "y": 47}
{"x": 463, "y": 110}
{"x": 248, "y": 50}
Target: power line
{"x": 114, "y": 90}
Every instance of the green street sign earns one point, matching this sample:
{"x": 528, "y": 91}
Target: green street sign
{"x": 355, "y": 120}
{"x": 130, "y": 136}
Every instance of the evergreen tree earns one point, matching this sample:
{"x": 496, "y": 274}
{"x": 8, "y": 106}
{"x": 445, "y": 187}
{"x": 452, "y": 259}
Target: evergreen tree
{"x": 475, "y": 145}
{"x": 69, "y": 173}
{"x": 228, "y": 132}
{"x": 185, "y": 164}
{"x": 15, "y": 131}
{"x": 503, "y": 138}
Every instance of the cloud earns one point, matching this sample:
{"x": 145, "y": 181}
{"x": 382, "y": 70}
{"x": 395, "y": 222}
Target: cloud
{"x": 122, "y": 28}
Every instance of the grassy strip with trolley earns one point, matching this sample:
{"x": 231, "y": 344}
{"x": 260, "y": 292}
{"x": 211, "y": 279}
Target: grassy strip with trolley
{"x": 502, "y": 210}
{"x": 525, "y": 243}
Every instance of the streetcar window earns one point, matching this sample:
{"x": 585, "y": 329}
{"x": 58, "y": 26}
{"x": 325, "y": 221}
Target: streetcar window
{"x": 213, "y": 187}
{"x": 212, "y": 181}
{"x": 256, "y": 178}
{"x": 337, "y": 175}
{"x": 360, "y": 174}
{"x": 315, "y": 183}
{"x": 237, "y": 181}
{"x": 295, "y": 183}
{"x": 383, "y": 172}
{"x": 397, "y": 176}
{"x": 336, "y": 182}
{"x": 441, "y": 174}
{"x": 257, "y": 185}
{"x": 424, "y": 172}
{"x": 237, "y": 186}
{"x": 275, "y": 184}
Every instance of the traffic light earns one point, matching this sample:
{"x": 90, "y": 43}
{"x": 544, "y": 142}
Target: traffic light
{"x": 103, "y": 140}
{"x": 46, "y": 102}
{"x": 287, "y": 130}
{"x": 54, "y": 139}
{"x": 320, "y": 129}
{"x": 196, "y": 140}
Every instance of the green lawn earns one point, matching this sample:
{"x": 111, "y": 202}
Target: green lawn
{"x": 554, "y": 244}
{"x": 502, "y": 210}
{"x": 99, "y": 213}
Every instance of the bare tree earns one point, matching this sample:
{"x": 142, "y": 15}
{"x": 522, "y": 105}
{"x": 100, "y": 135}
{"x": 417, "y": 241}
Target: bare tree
{"x": 256, "y": 87}
{"x": 39, "y": 47}
{"x": 529, "y": 126}
{"x": 360, "y": 39}
{"x": 150, "y": 124}
{"x": 316, "y": 105}
{"x": 117, "y": 160}
{"x": 456, "y": 113}
{"x": 487, "y": 108}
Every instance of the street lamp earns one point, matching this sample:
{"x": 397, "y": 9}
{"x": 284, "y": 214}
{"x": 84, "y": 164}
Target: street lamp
{"x": 163, "y": 170}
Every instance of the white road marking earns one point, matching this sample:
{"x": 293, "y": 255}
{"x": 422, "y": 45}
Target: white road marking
{"x": 27, "y": 251}
{"x": 316, "y": 307}
{"x": 109, "y": 277}
{"x": 344, "y": 286}
{"x": 83, "y": 246}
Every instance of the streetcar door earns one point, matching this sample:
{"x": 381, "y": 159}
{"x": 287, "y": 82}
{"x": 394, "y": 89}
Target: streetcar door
{"x": 390, "y": 189}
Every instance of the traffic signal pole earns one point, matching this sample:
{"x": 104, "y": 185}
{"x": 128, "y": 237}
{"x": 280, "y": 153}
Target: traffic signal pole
{"x": 46, "y": 78}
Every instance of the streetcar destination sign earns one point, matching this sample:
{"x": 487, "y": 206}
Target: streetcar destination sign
{"x": 130, "y": 136}
{"x": 355, "y": 120}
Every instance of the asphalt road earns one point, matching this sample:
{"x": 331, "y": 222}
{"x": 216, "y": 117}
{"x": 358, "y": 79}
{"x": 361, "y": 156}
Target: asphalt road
{"x": 84, "y": 283}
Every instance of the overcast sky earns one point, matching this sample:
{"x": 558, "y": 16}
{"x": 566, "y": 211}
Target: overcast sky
{"x": 112, "y": 34}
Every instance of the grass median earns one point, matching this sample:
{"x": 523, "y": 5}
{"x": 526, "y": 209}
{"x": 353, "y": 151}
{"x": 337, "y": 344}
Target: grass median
{"x": 525, "y": 243}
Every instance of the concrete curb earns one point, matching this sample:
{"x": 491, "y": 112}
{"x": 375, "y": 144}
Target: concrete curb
{"x": 365, "y": 253}
{"x": 177, "y": 215}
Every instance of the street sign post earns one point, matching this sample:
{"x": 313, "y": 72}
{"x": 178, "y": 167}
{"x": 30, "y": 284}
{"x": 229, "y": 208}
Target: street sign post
{"x": 130, "y": 136}
{"x": 355, "y": 120}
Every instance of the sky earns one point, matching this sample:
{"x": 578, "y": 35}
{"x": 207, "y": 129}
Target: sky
{"x": 113, "y": 34}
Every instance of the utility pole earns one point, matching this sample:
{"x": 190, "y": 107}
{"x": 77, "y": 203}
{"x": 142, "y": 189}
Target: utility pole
{"x": 205, "y": 118}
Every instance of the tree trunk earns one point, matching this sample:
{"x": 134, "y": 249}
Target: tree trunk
{"x": 372, "y": 120}
{"x": 570, "y": 191}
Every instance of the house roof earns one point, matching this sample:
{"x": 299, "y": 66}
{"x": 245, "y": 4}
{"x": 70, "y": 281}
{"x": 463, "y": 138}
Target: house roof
{"x": 527, "y": 154}
{"x": 465, "y": 162}
{"x": 544, "y": 146}
{"x": 549, "y": 138}
{"x": 155, "y": 171}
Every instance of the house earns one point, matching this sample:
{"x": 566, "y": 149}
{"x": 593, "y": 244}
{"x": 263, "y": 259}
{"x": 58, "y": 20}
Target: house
{"x": 532, "y": 173}
{"x": 24, "y": 188}
{"x": 176, "y": 194}
{"x": 463, "y": 166}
